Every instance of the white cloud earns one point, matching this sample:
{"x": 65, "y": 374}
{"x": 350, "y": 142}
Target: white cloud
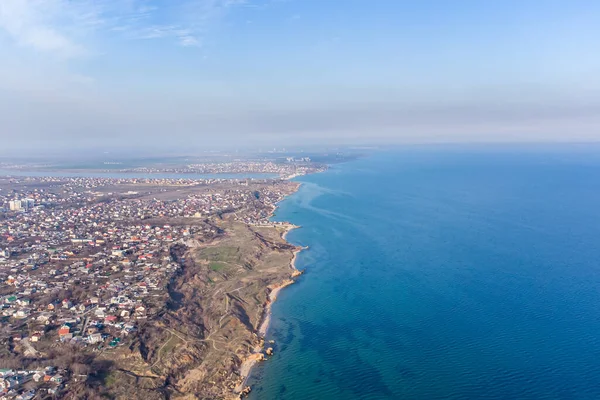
{"x": 32, "y": 23}
{"x": 64, "y": 27}
{"x": 189, "y": 41}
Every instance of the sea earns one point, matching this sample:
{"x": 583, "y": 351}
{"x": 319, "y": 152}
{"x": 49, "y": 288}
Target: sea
{"x": 442, "y": 273}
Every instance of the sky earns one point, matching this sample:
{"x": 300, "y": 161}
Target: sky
{"x": 202, "y": 74}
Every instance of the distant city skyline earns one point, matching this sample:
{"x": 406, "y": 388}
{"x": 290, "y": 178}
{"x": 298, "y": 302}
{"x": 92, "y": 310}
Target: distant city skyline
{"x": 202, "y": 74}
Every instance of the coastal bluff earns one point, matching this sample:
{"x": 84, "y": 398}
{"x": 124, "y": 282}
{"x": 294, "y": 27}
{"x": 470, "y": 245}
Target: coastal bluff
{"x": 210, "y": 333}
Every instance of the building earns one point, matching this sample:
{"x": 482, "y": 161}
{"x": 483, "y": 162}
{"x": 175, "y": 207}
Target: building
{"x": 18, "y": 205}
{"x": 95, "y": 338}
{"x": 64, "y": 330}
{"x": 28, "y": 203}
{"x": 15, "y": 205}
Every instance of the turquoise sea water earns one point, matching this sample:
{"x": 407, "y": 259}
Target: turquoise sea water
{"x": 436, "y": 274}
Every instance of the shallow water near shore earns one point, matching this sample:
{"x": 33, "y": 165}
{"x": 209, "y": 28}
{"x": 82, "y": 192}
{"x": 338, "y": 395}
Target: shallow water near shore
{"x": 442, "y": 274}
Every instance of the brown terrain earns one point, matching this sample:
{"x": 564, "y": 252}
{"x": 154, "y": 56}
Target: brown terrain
{"x": 195, "y": 348}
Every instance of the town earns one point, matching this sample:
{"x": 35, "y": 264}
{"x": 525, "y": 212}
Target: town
{"x": 85, "y": 261}
{"x": 290, "y": 168}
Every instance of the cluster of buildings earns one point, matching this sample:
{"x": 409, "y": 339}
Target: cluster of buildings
{"x": 25, "y": 384}
{"x": 18, "y": 205}
{"x": 84, "y": 267}
{"x": 298, "y": 160}
{"x": 292, "y": 167}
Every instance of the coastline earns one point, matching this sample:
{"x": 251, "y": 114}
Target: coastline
{"x": 257, "y": 355}
{"x": 275, "y": 289}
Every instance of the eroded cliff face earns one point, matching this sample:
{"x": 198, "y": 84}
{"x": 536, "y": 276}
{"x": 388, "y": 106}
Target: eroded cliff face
{"x": 195, "y": 347}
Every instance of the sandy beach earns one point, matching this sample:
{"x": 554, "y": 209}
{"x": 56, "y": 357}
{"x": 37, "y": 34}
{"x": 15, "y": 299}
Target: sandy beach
{"x": 264, "y": 326}
{"x": 288, "y": 229}
{"x": 262, "y": 331}
{"x": 246, "y": 368}
{"x": 257, "y": 356}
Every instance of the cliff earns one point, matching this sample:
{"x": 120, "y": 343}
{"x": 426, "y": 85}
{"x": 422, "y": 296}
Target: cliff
{"x": 195, "y": 348}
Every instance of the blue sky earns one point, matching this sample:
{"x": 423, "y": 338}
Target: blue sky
{"x": 202, "y": 73}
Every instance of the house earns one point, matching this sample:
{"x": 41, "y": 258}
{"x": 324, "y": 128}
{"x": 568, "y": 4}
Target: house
{"x": 12, "y": 382}
{"x": 26, "y": 395}
{"x": 64, "y": 330}
{"x": 49, "y": 371}
{"x": 95, "y": 338}
{"x": 66, "y": 338}
{"x": 6, "y": 383}
{"x": 129, "y": 327}
{"x": 91, "y": 330}
{"x": 24, "y": 302}
{"x": 43, "y": 318}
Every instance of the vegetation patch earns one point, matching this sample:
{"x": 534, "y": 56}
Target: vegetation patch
{"x": 228, "y": 254}
{"x": 217, "y": 266}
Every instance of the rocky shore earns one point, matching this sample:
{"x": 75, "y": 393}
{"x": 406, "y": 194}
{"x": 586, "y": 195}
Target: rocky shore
{"x": 259, "y": 351}
{"x": 263, "y": 265}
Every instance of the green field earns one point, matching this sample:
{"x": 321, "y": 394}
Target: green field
{"x": 228, "y": 254}
{"x": 217, "y": 266}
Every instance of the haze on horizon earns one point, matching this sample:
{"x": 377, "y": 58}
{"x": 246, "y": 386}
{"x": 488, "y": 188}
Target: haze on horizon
{"x": 198, "y": 73}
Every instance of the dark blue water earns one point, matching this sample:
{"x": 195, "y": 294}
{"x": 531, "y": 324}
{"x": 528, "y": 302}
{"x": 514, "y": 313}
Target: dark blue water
{"x": 440, "y": 274}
